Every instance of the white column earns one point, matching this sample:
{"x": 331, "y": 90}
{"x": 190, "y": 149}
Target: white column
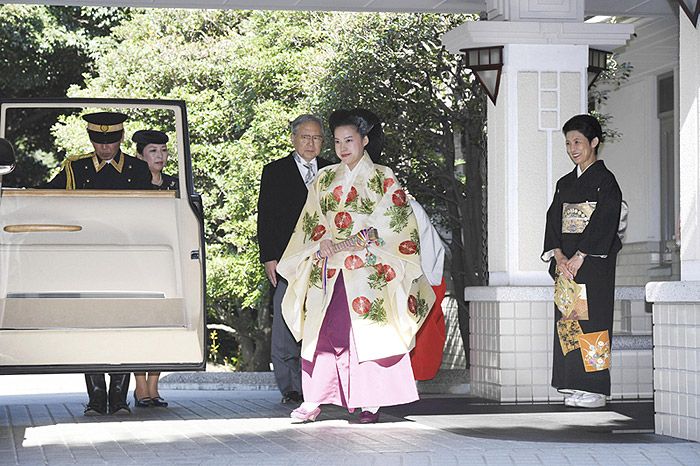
{"x": 543, "y": 84}
{"x": 677, "y": 304}
{"x": 541, "y": 87}
{"x": 689, "y": 106}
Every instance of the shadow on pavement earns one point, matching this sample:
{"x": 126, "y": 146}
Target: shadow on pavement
{"x": 618, "y": 422}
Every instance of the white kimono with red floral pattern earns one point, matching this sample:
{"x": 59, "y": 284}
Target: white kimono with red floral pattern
{"x": 388, "y": 295}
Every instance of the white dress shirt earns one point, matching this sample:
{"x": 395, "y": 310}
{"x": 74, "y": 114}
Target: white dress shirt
{"x": 301, "y": 165}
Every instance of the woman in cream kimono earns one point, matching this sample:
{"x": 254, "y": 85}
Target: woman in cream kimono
{"x": 355, "y": 309}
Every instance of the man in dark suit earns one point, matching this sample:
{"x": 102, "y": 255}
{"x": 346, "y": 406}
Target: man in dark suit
{"x": 105, "y": 168}
{"x": 283, "y": 190}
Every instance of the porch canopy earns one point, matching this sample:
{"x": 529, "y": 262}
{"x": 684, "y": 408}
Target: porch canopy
{"x": 592, "y": 7}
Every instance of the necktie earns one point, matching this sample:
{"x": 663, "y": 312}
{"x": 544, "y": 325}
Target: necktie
{"x": 309, "y": 173}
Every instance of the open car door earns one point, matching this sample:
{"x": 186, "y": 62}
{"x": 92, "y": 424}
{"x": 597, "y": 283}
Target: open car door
{"x": 97, "y": 280}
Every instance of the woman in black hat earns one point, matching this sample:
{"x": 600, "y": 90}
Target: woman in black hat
{"x": 152, "y": 149}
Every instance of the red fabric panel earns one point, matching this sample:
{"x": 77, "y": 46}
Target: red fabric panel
{"x": 426, "y": 357}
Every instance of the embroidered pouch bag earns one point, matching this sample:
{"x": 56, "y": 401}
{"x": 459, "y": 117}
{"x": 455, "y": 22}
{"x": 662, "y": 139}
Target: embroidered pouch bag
{"x": 595, "y": 350}
{"x": 570, "y": 298}
{"x": 568, "y": 331}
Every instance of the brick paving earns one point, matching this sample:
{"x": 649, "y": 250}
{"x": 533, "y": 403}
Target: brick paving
{"x": 253, "y": 428}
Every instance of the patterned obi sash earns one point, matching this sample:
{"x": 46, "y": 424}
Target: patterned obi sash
{"x": 575, "y": 217}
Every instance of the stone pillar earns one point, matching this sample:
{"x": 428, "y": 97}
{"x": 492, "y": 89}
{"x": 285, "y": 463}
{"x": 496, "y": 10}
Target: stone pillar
{"x": 676, "y": 358}
{"x": 541, "y": 87}
{"x": 689, "y": 106}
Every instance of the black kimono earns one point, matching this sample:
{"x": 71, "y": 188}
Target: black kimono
{"x": 594, "y": 234}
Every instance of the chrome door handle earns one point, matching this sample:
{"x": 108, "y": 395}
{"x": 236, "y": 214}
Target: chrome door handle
{"x": 40, "y": 228}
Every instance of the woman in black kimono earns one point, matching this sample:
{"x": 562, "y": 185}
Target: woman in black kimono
{"x": 581, "y": 243}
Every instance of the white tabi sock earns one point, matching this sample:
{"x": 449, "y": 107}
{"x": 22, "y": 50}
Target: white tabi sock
{"x": 309, "y": 406}
{"x": 371, "y": 409}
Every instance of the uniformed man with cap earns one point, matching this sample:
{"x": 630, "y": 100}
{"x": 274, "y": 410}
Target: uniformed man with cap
{"x": 105, "y": 168}
{"x": 151, "y": 146}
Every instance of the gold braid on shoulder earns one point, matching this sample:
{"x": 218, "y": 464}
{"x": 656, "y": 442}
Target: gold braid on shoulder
{"x": 67, "y": 165}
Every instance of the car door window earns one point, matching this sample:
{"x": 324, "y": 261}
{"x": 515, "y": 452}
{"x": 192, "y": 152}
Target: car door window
{"x": 46, "y": 139}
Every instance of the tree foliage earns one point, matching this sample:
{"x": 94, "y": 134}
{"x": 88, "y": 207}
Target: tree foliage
{"x": 611, "y": 79}
{"x": 243, "y": 75}
{"x": 45, "y": 50}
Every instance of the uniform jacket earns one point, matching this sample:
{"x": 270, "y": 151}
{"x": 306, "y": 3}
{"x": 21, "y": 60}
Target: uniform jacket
{"x": 89, "y": 172}
{"x": 170, "y": 183}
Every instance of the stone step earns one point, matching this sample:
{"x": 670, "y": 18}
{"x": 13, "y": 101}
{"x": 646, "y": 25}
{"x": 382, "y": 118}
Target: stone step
{"x": 632, "y": 342}
{"x": 447, "y": 381}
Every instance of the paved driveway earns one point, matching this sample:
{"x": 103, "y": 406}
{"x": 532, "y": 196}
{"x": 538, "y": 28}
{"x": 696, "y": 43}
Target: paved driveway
{"x": 252, "y": 428}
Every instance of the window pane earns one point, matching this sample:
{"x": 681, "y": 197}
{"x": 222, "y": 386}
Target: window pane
{"x": 665, "y": 94}
{"x": 46, "y": 138}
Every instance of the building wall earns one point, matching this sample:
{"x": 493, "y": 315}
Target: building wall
{"x": 636, "y": 155}
{"x": 511, "y": 346}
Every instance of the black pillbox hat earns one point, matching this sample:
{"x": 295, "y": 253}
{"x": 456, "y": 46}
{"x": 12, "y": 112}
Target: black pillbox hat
{"x": 149, "y": 136}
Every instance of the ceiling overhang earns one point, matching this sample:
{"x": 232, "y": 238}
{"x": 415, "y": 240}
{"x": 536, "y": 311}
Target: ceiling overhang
{"x": 407, "y": 6}
{"x": 592, "y": 7}
{"x": 491, "y": 33}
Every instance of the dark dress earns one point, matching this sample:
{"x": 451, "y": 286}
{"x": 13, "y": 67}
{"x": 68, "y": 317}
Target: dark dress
{"x": 170, "y": 183}
{"x": 598, "y": 238}
{"x": 90, "y": 172}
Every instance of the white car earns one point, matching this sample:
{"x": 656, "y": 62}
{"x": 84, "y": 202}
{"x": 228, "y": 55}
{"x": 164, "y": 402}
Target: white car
{"x": 97, "y": 280}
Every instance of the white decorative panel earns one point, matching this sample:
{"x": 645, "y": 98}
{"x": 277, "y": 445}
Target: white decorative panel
{"x": 549, "y": 10}
{"x": 549, "y": 101}
{"x": 535, "y": 10}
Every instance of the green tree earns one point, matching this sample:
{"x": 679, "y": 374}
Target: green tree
{"x": 609, "y": 80}
{"x": 245, "y": 75}
{"x": 45, "y": 50}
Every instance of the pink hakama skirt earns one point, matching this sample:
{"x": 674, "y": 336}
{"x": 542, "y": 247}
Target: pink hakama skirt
{"x": 335, "y": 376}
